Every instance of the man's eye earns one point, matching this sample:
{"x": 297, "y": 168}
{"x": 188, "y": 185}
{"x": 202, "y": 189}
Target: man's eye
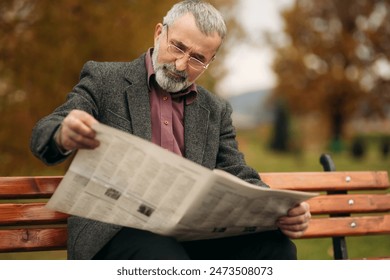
{"x": 198, "y": 59}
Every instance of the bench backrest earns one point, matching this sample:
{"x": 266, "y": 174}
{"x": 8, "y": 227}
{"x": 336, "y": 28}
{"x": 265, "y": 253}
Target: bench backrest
{"x": 341, "y": 195}
{"x": 26, "y": 225}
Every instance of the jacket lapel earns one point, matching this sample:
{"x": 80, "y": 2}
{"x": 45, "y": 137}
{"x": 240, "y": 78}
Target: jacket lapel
{"x": 196, "y": 122}
{"x": 138, "y": 100}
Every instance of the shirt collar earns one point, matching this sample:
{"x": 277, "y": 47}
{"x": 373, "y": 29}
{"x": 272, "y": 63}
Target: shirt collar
{"x": 189, "y": 93}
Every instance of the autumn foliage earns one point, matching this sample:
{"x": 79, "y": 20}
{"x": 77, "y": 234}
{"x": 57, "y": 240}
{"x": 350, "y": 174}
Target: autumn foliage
{"x": 335, "y": 60}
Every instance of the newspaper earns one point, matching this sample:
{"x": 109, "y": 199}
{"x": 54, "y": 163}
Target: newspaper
{"x": 131, "y": 182}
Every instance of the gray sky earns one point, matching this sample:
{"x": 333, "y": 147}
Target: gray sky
{"x": 249, "y": 67}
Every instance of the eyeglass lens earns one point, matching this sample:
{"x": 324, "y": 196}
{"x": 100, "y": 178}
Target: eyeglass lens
{"x": 179, "y": 53}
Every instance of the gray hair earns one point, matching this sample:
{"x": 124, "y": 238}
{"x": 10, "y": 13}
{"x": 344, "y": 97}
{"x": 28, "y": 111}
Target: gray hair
{"x": 208, "y": 19}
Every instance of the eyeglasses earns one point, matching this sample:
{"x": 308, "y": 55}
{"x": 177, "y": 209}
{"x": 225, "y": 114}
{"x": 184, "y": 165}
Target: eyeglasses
{"x": 192, "y": 61}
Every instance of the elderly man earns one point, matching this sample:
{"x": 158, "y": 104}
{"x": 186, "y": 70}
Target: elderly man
{"x": 155, "y": 97}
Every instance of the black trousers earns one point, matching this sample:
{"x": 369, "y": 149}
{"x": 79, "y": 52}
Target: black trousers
{"x": 134, "y": 244}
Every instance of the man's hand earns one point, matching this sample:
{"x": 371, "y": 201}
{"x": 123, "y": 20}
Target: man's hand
{"x": 76, "y": 132}
{"x": 296, "y": 222}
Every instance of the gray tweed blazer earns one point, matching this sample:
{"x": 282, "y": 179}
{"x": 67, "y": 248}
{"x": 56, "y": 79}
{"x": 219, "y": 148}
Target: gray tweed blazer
{"x": 116, "y": 94}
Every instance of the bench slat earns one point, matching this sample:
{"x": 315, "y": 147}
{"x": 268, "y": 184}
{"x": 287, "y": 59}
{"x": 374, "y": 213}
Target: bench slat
{"x": 348, "y": 226}
{"x": 350, "y": 203}
{"x": 28, "y": 187}
{"x": 29, "y": 214}
{"x": 18, "y": 240}
{"x": 325, "y": 181}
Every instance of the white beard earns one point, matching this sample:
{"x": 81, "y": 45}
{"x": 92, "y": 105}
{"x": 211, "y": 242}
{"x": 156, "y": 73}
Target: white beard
{"x": 168, "y": 82}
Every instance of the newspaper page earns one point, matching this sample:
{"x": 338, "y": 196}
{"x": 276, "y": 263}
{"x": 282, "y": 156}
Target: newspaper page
{"x": 232, "y": 206}
{"x": 131, "y": 182}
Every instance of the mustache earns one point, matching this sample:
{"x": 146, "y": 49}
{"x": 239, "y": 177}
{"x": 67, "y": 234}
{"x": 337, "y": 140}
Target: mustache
{"x": 171, "y": 67}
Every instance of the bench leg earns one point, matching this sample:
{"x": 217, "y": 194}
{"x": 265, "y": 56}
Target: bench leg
{"x": 339, "y": 243}
{"x": 340, "y": 248}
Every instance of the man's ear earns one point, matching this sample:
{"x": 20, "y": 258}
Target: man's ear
{"x": 158, "y": 31}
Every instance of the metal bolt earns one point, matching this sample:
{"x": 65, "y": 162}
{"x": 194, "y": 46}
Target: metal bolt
{"x": 353, "y": 225}
{"x": 351, "y": 202}
{"x": 348, "y": 179}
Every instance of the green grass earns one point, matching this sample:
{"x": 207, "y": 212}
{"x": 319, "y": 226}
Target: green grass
{"x": 51, "y": 255}
{"x": 254, "y": 146}
{"x": 357, "y": 247}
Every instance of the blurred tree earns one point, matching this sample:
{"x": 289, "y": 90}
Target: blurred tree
{"x": 280, "y": 133}
{"x": 43, "y": 45}
{"x": 385, "y": 146}
{"x": 335, "y": 60}
{"x": 358, "y": 147}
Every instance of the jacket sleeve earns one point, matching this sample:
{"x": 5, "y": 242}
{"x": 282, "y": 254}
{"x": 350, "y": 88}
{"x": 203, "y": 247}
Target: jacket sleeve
{"x": 84, "y": 96}
{"x": 229, "y": 158}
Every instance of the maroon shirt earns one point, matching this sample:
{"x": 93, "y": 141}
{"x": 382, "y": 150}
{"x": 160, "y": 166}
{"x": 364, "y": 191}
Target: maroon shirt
{"x": 167, "y": 111}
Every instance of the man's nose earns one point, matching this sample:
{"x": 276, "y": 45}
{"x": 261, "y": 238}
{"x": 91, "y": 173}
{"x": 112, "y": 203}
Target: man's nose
{"x": 182, "y": 63}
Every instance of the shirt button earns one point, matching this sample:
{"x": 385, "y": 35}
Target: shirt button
{"x": 165, "y": 98}
{"x": 166, "y": 122}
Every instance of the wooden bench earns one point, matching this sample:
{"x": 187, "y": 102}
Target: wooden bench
{"x": 25, "y": 225}
{"x": 353, "y": 203}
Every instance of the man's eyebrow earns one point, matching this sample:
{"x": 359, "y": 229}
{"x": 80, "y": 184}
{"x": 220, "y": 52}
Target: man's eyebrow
{"x": 185, "y": 48}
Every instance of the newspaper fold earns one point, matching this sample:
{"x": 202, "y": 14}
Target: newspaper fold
{"x": 134, "y": 183}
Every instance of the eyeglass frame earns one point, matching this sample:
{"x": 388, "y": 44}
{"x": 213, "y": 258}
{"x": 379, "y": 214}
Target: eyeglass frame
{"x": 203, "y": 66}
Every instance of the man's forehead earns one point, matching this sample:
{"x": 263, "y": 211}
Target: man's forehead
{"x": 185, "y": 31}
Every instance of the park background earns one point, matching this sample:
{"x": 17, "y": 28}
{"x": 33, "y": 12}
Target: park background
{"x": 329, "y": 91}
